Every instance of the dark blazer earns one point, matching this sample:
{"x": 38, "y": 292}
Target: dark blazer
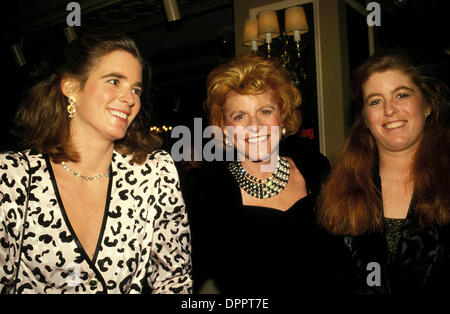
{"x": 237, "y": 248}
{"x": 421, "y": 264}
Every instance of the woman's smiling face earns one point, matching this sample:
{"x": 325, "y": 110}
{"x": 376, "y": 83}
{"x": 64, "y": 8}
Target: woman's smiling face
{"x": 110, "y": 98}
{"x": 394, "y": 110}
{"x": 255, "y": 122}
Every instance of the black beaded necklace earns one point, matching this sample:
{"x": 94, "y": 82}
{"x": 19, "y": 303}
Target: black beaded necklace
{"x": 262, "y": 188}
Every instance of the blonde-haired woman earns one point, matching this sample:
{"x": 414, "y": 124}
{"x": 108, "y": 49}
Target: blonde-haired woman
{"x": 253, "y": 224}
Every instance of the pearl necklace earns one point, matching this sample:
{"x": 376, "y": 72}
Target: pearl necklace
{"x": 76, "y": 174}
{"x": 262, "y": 188}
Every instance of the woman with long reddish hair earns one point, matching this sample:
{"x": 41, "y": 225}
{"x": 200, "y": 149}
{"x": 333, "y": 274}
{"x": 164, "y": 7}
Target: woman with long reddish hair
{"x": 388, "y": 195}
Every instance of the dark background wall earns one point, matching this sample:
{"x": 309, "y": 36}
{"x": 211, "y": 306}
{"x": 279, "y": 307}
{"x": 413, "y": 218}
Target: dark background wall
{"x": 183, "y": 53}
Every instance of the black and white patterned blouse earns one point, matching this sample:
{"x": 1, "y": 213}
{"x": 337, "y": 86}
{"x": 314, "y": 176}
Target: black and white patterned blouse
{"x": 144, "y": 240}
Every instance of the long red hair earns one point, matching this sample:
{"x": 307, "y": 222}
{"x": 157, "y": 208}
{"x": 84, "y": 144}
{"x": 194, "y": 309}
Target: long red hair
{"x": 351, "y": 202}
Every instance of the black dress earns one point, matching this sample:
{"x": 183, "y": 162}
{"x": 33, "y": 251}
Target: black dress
{"x": 419, "y": 263}
{"x": 257, "y": 250}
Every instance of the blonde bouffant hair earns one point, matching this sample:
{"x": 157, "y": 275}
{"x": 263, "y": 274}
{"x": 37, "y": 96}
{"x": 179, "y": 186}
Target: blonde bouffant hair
{"x": 252, "y": 75}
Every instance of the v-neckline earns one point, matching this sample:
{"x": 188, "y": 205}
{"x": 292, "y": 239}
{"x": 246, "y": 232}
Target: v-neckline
{"x": 66, "y": 217}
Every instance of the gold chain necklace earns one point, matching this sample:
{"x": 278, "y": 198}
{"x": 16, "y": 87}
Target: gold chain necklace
{"x": 76, "y": 174}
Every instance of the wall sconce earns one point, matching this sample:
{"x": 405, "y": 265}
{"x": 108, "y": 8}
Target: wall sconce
{"x": 251, "y": 35}
{"x": 295, "y": 24}
{"x": 17, "y": 52}
{"x": 172, "y": 11}
{"x": 268, "y": 27}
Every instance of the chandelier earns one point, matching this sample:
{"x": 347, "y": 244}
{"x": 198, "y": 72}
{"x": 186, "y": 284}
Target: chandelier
{"x": 285, "y": 44}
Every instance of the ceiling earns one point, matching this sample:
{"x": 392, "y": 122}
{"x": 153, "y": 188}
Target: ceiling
{"x": 44, "y": 19}
{"x": 181, "y": 53}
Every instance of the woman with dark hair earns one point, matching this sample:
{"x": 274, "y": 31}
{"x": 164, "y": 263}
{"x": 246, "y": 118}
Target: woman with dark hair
{"x": 91, "y": 206}
{"x": 253, "y": 226}
{"x": 389, "y": 192}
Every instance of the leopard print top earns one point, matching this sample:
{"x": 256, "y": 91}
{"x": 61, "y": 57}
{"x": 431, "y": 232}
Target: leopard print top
{"x": 144, "y": 240}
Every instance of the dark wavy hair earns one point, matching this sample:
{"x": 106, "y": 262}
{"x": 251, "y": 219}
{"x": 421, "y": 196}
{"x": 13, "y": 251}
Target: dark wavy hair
{"x": 42, "y": 119}
{"x": 350, "y": 200}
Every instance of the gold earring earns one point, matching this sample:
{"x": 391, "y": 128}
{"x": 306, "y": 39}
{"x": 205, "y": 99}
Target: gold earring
{"x": 71, "y": 107}
{"x": 283, "y": 131}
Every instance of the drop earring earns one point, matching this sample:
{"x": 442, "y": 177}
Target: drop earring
{"x": 71, "y": 107}
{"x": 283, "y": 131}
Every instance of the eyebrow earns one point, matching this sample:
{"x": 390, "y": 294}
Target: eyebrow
{"x": 395, "y": 90}
{"x": 120, "y": 76}
{"x": 232, "y": 113}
